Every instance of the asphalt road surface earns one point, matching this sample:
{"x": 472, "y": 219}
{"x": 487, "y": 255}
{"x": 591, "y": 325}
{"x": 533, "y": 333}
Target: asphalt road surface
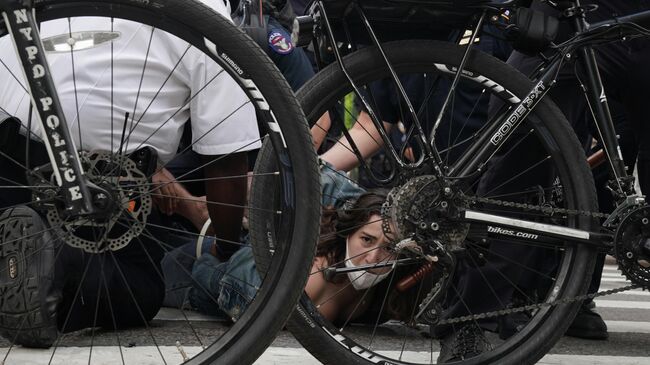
{"x": 627, "y": 315}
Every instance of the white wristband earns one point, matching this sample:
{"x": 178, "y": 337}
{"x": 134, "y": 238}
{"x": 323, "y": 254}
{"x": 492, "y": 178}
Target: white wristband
{"x": 199, "y": 241}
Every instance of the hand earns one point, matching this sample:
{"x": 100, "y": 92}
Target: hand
{"x": 166, "y": 190}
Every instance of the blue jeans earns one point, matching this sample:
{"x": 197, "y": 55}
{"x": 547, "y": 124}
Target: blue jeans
{"x": 177, "y": 267}
{"x": 225, "y": 288}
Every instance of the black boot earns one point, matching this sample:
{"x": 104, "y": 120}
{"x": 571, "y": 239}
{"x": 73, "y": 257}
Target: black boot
{"x": 462, "y": 343}
{"x": 28, "y": 298}
{"x": 588, "y": 325}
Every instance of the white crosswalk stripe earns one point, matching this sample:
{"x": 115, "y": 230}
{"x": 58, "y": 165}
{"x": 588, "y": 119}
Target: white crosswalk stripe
{"x": 622, "y": 304}
{"x": 149, "y": 355}
{"x": 626, "y": 314}
{"x": 628, "y": 327}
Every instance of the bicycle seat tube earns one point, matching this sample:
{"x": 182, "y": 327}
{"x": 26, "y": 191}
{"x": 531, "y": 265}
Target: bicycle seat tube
{"x": 597, "y": 101}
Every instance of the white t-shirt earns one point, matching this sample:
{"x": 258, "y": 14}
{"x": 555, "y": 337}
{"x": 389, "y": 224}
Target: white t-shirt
{"x": 222, "y": 117}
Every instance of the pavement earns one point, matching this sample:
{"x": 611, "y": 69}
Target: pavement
{"x": 627, "y": 316}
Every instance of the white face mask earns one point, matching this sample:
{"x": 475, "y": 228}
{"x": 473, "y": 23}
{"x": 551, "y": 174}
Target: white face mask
{"x": 361, "y": 279}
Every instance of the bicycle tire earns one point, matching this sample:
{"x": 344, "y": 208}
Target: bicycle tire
{"x": 324, "y": 340}
{"x": 256, "y": 74}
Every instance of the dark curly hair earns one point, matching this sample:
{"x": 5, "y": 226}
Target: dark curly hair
{"x": 336, "y": 225}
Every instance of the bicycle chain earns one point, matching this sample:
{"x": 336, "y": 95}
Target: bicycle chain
{"x": 550, "y": 211}
{"x": 544, "y": 209}
{"x": 503, "y": 312}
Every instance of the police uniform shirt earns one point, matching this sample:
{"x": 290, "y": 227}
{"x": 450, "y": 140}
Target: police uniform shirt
{"x": 198, "y": 90}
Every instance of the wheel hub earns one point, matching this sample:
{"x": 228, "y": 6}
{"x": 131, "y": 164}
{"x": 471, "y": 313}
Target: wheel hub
{"x": 125, "y": 205}
{"x": 426, "y": 209}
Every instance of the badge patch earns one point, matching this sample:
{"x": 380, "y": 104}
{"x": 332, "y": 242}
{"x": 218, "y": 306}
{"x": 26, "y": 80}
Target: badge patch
{"x": 280, "y": 42}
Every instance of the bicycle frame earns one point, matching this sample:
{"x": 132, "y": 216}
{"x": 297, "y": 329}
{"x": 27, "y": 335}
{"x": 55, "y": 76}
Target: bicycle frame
{"x": 490, "y": 141}
{"x": 21, "y": 24}
{"x": 493, "y": 137}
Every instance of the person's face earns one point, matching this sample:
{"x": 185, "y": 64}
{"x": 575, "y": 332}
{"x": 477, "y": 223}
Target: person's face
{"x": 369, "y": 245}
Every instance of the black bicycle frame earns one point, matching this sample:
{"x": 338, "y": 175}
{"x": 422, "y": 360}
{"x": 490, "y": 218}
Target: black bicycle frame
{"x": 495, "y": 135}
{"x": 21, "y": 24}
{"x": 489, "y": 142}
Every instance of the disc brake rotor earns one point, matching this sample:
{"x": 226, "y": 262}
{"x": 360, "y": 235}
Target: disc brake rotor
{"x": 130, "y": 191}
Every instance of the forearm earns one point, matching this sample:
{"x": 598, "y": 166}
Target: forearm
{"x": 320, "y": 129}
{"x": 365, "y": 136}
{"x": 226, "y": 198}
{"x": 194, "y": 210}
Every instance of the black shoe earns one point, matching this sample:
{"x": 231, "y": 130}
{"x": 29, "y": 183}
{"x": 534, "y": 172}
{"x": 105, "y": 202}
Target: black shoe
{"x": 28, "y": 300}
{"x": 464, "y": 343}
{"x": 588, "y": 325}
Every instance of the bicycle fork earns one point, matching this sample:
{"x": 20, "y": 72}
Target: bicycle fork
{"x": 21, "y": 24}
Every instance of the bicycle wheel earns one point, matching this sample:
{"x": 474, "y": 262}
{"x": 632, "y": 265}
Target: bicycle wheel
{"x": 86, "y": 281}
{"x": 494, "y": 263}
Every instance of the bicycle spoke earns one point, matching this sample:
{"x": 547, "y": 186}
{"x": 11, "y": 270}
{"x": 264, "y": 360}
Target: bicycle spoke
{"x": 178, "y": 110}
{"x": 540, "y": 182}
{"x": 157, "y": 91}
{"x": 523, "y": 192}
{"x": 412, "y": 316}
{"x": 99, "y": 288}
{"x": 383, "y": 303}
{"x": 331, "y": 297}
{"x": 137, "y": 94}
{"x": 197, "y": 200}
{"x": 13, "y": 341}
{"x": 77, "y": 117}
{"x": 22, "y": 323}
{"x": 11, "y": 159}
{"x": 207, "y": 163}
{"x": 361, "y": 300}
{"x": 547, "y": 158}
{"x": 207, "y": 179}
{"x": 466, "y": 307}
{"x": 162, "y": 278}
{"x": 512, "y": 284}
{"x": 166, "y": 246}
{"x": 205, "y": 291}
{"x": 69, "y": 312}
{"x": 469, "y": 116}
{"x": 137, "y": 306}
{"x": 347, "y": 320}
{"x": 112, "y": 97}
{"x": 480, "y": 271}
{"x": 110, "y": 308}
{"x": 242, "y": 148}
{"x": 174, "y": 90}
{"x": 514, "y": 262}
{"x": 22, "y": 86}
